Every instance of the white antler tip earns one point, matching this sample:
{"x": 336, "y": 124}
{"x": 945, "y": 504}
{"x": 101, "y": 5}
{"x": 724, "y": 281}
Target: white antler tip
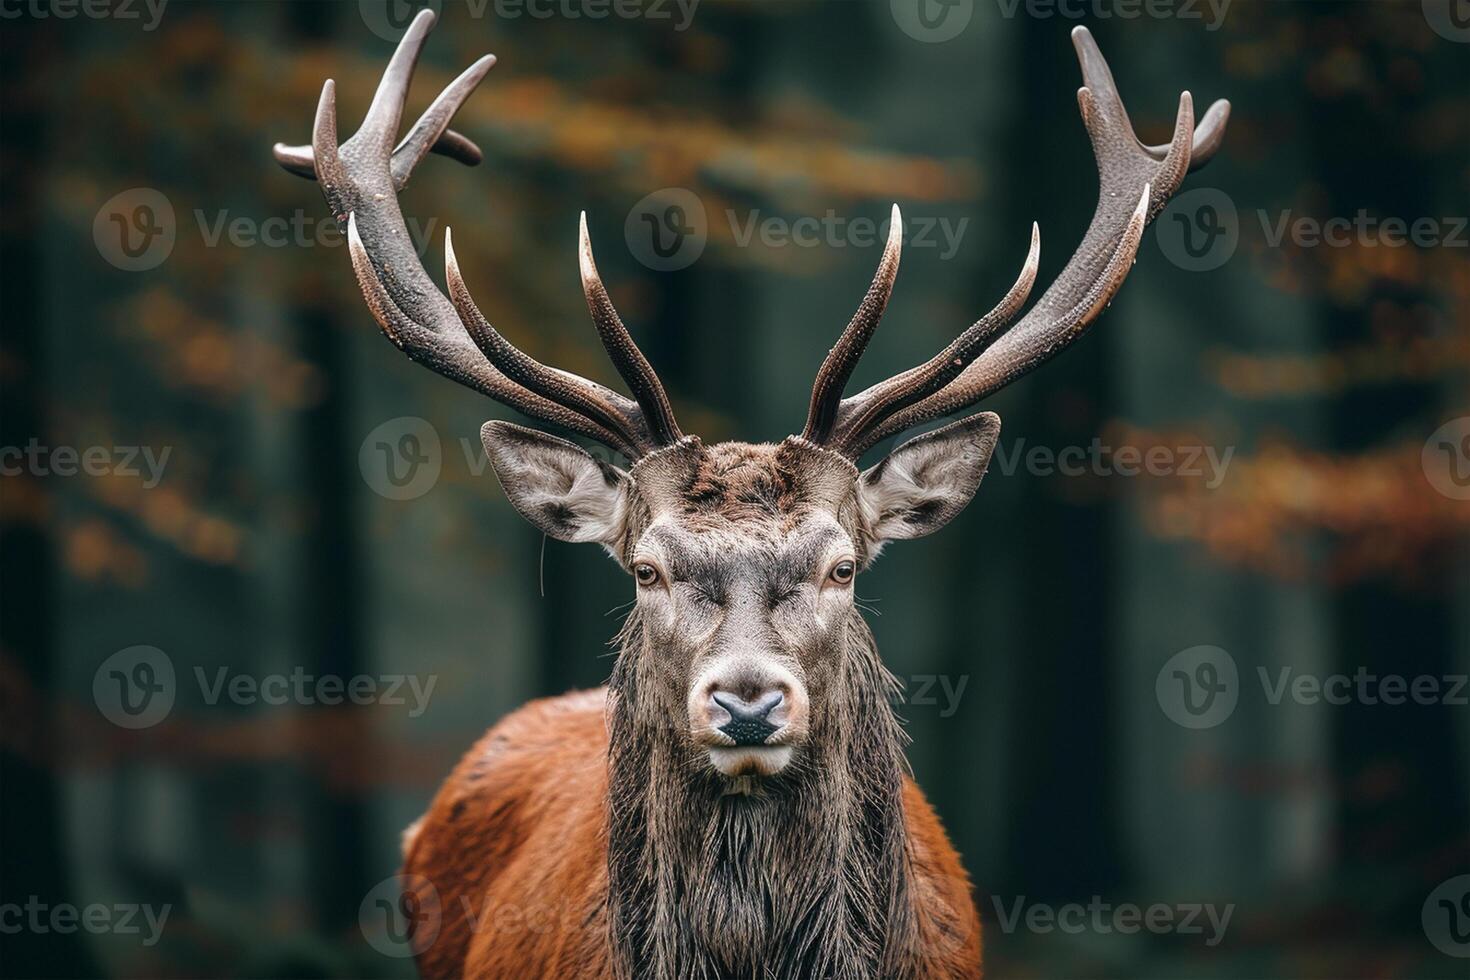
{"x": 584, "y": 251}
{"x": 354, "y": 243}
{"x": 452, "y": 275}
{"x": 326, "y": 105}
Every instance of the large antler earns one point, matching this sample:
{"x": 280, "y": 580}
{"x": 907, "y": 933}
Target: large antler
{"x": 361, "y": 180}
{"x": 1136, "y": 182}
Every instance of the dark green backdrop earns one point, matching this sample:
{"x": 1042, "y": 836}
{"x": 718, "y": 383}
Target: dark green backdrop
{"x": 1032, "y": 631}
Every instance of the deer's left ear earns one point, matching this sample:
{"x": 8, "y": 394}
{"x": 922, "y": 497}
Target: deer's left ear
{"x": 925, "y": 482}
{"x": 559, "y": 486}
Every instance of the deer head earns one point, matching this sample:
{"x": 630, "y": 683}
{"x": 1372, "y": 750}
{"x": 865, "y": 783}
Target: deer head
{"x": 745, "y": 666}
{"x": 744, "y": 556}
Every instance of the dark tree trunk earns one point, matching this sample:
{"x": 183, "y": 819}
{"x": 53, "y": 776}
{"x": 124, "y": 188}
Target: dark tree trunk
{"x": 32, "y": 853}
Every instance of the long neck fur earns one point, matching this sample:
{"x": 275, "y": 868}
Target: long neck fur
{"x": 805, "y": 875}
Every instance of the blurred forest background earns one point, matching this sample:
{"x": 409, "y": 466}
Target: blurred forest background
{"x": 1330, "y": 543}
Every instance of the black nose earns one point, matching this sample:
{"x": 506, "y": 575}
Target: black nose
{"x": 748, "y": 724}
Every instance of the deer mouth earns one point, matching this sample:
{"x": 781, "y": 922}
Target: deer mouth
{"x": 750, "y": 760}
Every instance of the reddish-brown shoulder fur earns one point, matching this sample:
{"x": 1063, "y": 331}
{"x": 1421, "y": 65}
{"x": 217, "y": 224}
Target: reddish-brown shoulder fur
{"x": 948, "y": 939}
{"x": 515, "y": 847}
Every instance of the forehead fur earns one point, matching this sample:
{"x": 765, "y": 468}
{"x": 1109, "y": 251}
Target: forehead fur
{"x": 738, "y": 482}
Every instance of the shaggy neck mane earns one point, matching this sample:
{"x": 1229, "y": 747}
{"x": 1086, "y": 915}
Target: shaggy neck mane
{"x": 804, "y": 875}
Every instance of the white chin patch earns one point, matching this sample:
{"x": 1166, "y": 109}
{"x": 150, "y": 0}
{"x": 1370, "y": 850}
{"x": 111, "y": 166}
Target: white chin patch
{"x": 759, "y": 760}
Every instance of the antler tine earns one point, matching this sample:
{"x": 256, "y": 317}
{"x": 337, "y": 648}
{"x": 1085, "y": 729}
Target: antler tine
{"x": 1019, "y": 350}
{"x": 596, "y": 402}
{"x": 324, "y": 142}
{"x": 1136, "y": 183}
{"x": 868, "y": 409}
{"x": 459, "y": 147}
{"x": 838, "y": 366}
{"x": 446, "y": 354}
{"x": 634, "y": 368}
{"x": 379, "y": 127}
{"x": 1209, "y": 136}
{"x": 295, "y": 159}
{"x": 298, "y": 159}
{"x": 429, "y": 135}
{"x": 1122, "y": 159}
{"x": 430, "y": 129}
{"x": 360, "y": 179}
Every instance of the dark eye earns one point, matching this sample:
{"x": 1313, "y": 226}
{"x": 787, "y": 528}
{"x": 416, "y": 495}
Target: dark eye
{"x": 843, "y": 571}
{"x": 645, "y": 573}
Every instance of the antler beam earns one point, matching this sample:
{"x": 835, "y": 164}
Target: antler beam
{"x": 361, "y": 180}
{"x": 1136, "y": 181}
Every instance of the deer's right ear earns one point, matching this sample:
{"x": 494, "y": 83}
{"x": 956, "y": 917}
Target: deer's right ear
{"x": 926, "y": 481}
{"x": 559, "y": 486}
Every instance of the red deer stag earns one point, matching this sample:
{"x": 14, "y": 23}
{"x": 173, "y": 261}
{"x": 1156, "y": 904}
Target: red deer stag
{"x": 735, "y": 801}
